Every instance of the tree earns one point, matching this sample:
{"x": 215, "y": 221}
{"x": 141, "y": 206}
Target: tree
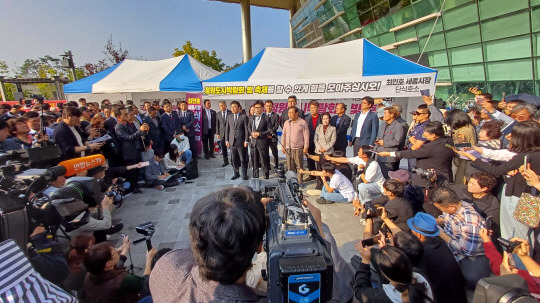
{"x": 228, "y": 68}
{"x": 91, "y": 68}
{"x": 113, "y": 53}
{"x": 207, "y": 58}
{"x": 9, "y": 87}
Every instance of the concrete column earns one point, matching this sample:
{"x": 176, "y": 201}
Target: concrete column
{"x": 292, "y": 42}
{"x": 246, "y": 29}
{"x": 2, "y": 89}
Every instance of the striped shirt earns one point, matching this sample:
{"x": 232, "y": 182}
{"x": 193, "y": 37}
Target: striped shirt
{"x": 19, "y": 282}
{"x": 463, "y": 228}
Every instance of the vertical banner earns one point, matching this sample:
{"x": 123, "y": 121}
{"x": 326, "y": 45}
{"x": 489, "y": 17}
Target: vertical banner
{"x": 194, "y": 101}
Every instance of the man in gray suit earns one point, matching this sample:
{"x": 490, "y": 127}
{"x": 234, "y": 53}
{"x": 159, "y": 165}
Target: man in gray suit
{"x": 221, "y": 118}
{"x": 236, "y": 137}
{"x": 390, "y": 138}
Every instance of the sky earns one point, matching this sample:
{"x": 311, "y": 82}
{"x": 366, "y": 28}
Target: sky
{"x": 149, "y": 30}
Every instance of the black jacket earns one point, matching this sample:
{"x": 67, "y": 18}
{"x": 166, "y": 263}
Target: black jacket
{"x": 342, "y": 129}
{"x": 110, "y": 123}
{"x": 273, "y": 125}
{"x": 431, "y": 155}
{"x": 263, "y": 129}
{"x": 130, "y": 138}
{"x": 188, "y": 121}
{"x": 515, "y": 185}
{"x": 67, "y": 142}
{"x": 399, "y": 211}
{"x": 311, "y": 129}
{"x": 155, "y": 133}
{"x": 442, "y": 271}
{"x": 237, "y": 133}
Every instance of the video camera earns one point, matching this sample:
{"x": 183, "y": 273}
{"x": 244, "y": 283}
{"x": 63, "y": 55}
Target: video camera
{"x": 508, "y": 245}
{"x": 146, "y": 229}
{"x": 299, "y": 264}
{"x": 429, "y": 174}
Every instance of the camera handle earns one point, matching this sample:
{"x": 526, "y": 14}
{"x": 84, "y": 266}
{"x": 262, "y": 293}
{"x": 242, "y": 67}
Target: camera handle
{"x": 148, "y": 242}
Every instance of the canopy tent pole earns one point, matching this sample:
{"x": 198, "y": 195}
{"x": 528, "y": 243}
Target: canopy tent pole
{"x": 246, "y": 29}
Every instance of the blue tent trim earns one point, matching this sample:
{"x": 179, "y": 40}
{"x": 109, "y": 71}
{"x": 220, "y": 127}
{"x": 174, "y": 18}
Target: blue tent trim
{"x": 181, "y": 78}
{"x": 378, "y": 62}
{"x": 241, "y": 73}
{"x": 85, "y": 85}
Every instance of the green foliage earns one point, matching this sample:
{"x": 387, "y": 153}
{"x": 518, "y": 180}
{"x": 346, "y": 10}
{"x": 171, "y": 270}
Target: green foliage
{"x": 228, "y": 68}
{"x": 207, "y": 58}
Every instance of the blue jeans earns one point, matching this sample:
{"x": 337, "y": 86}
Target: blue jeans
{"x": 368, "y": 192}
{"x": 474, "y": 269}
{"x": 335, "y": 196}
{"x": 186, "y": 157}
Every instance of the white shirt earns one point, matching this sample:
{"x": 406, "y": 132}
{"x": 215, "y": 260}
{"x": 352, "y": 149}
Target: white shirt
{"x": 79, "y": 139}
{"x": 209, "y": 115}
{"x": 373, "y": 171}
{"x": 360, "y": 124}
{"x": 182, "y": 145}
{"x": 340, "y": 183}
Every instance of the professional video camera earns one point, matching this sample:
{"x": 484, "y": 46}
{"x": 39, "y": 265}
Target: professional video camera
{"x": 23, "y": 206}
{"x": 39, "y": 98}
{"x": 299, "y": 265}
{"x": 508, "y": 245}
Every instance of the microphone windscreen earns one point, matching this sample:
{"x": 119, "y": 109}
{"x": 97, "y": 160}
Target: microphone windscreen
{"x": 77, "y": 165}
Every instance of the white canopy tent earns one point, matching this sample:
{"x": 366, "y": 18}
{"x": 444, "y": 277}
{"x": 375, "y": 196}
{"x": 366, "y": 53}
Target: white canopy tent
{"x": 139, "y": 81}
{"x": 346, "y": 71}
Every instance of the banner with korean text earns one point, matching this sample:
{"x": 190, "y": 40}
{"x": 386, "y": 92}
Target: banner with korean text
{"x": 194, "y": 101}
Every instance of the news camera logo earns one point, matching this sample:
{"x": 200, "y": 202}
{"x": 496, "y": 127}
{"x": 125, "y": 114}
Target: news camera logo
{"x": 305, "y": 288}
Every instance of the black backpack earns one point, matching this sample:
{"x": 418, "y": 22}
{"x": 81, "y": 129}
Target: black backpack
{"x": 192, "y": 171}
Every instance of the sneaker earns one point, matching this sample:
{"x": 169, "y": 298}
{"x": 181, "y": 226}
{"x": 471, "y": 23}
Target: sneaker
{"x": 159, "y": 187}
{"x": 321, "y": 200}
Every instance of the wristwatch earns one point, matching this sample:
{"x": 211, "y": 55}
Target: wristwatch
{"x": 88, "y": 148}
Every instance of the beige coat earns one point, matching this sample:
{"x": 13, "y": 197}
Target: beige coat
{"x": 325, "y": 140}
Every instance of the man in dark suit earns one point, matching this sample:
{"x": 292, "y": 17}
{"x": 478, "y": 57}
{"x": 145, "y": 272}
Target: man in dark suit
{"x": 208, "y": 129}
{"x": 341, "y": 122}
{"x": 130, "y": 138}
{"x": 111, "y": 121}
{"x": 313, "y": 119}
{"x": 221, "y": 118}
{"x": 390, "y": 138}
{"x": 364, "y": 126}
{"x": 187, "y": 119}
{"x": 236, "y": 136}
{"x": 155, "y": 132}
{"x": 273, "y": 125}
{"x": 169, "y": 123}
{"x": 259, "y": 128}
{"x": 72, "y": 145}
{"x": 291, "y": 102}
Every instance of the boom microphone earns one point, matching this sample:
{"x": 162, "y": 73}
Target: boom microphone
{"x": 74, "y": 166}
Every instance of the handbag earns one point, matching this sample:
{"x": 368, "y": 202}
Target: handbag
{"x": 528, "y": 210}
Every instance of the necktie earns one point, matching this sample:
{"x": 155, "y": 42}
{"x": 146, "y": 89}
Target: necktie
{"x": 223, "y": 114}
{"x": 235, "y": 118}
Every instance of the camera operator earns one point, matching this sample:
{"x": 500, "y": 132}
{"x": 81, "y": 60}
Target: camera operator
{"x": 100, "y": 222}
{"x": 20, "y": 132}
{"x": 13, "y": 113}
{"x": 437, "y": 263}
{"x": 106, "y": 281}
{"x": 398, "y": 210}
{"x": 69, "y": 138}
{"x": 130, "y": 139}
{"x": 501, "y": 266}
{"x": 54, "y": 185}
{"x": 5, "y": 143}
{"x": 369, "y": 178}
{"x": 432, "y": 155}
{"x": 226, "y": 230}
{"x": 461, "y": 232}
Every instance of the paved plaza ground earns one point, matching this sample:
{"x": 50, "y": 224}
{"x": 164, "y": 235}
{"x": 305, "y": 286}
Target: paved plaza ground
{"x": 170, "y": 209}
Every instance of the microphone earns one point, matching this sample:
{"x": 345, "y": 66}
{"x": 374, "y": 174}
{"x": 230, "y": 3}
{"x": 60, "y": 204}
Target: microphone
{"x": 74, "y": 166}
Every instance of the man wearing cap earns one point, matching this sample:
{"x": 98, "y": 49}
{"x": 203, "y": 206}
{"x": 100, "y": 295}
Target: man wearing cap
{"x": 420, "y": 119}
{"x": 438, "y": 262}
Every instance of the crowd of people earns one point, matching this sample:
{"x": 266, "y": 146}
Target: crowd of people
{"x": 470, "y": 177}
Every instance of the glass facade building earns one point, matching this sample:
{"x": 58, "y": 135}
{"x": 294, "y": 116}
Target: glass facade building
{"x": 492, "y": 44}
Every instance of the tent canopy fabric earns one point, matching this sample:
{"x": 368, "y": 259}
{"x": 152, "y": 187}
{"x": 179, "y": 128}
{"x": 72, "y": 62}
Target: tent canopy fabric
{"x": 178, "y": 74}
{"x": 347, "y": 70}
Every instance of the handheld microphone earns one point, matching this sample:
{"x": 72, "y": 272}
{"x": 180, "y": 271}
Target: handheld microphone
{"x": 74, "y": 166}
